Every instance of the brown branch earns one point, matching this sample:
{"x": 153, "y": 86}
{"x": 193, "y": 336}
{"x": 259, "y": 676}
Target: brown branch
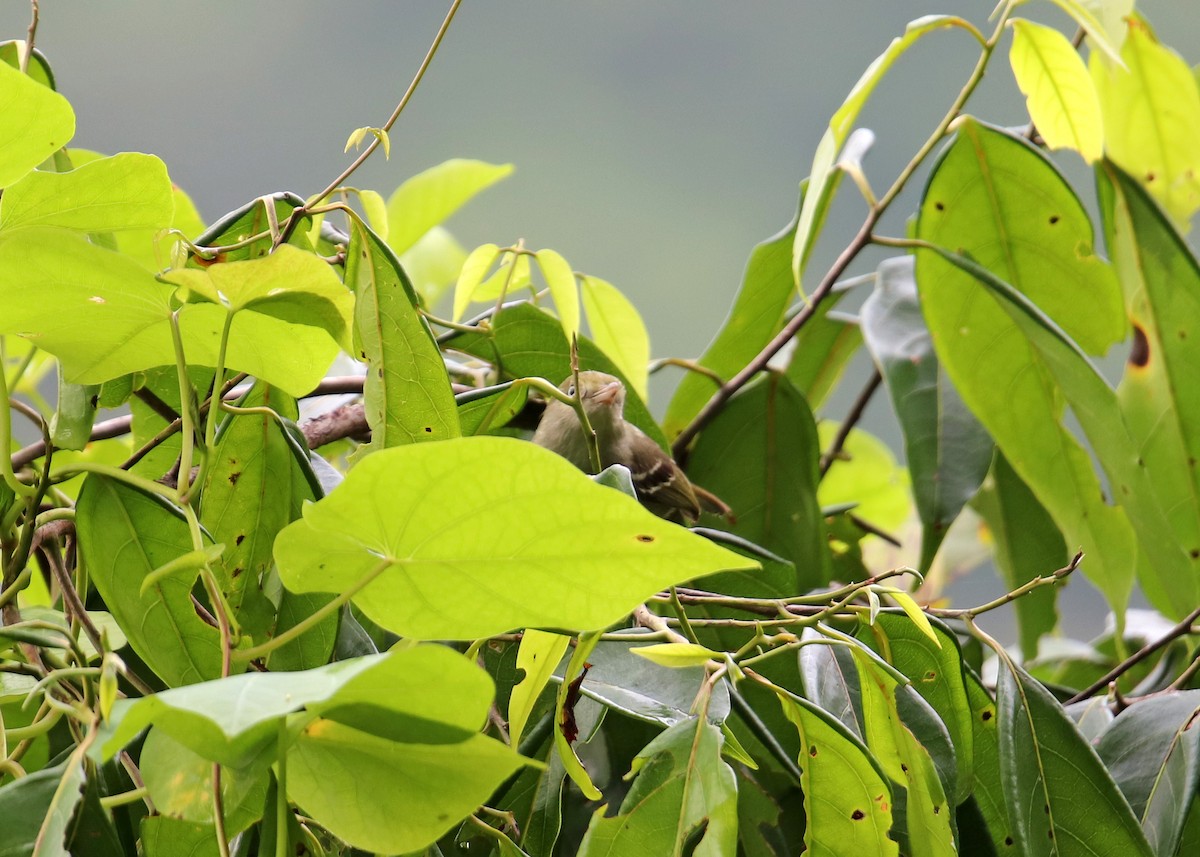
{"x": 1184, "y": 627}
{"x": 852, "y": 418}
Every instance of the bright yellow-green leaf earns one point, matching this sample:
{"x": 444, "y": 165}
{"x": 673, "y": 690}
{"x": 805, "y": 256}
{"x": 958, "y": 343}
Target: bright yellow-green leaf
{"x": 126, "y": 191}
{"x": 912, "y": 610}
{"x": 677, "y": 654}
{"x": 37, "y": 121}
{"x": 1060, "y": 96}
{"x": 548, "y": 547}
{"x": 359, "y": 134}
{"x": 471, "y": 275}
{"x": 618, "y": 329}
{"x": 428, "y": 198}
{"x": 1111, "y": 15}
{"x": 870, "y": 477}
{"x": 1152, "y": 119}
{"x": 562, "y": 742}
{"x": 511, "y": 275}
{"x": 561, "y": 280}
{"x": 538, "y": 655}
{"x": 376, "y": 211}
{"x": 433, "y": 263}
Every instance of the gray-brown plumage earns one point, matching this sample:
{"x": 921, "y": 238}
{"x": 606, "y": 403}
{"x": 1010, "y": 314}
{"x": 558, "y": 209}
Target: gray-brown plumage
{"x": 661, "y": 485}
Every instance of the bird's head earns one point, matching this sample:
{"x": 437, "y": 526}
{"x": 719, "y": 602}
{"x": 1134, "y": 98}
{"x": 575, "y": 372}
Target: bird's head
{"x": 603, "y": 396}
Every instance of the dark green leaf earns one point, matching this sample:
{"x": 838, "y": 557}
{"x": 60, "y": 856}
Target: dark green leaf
{"x": 490, "y": 407}
{"x": 173, "y": 837}
{"x": 760, "y": 456}
{"x": 123, "y": 536}
{"x": 1059, "y": 797}
{"x": 822, "y": 351}
{"x": 948, "y": 451}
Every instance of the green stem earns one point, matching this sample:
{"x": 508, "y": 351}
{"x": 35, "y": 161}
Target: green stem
{"x": 314, "y": 619}
{"x": 141, "y": 483}
{"x": 132, "y": 796}
{"x": 188, "y": 436}
{"x": 210, "y": 427}
{"x": 6, "y": 470}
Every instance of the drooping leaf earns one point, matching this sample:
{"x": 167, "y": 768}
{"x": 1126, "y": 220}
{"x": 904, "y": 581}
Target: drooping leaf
{"x": 125, "y": 191}
{"x": 548, "y": 546}
{"x": 847, "y": 798}
{"x": 1059, "y": 94}
{"x": 948, "y": 451}
{"x": 1161, "y": 279}
{"x": 430, "y": 197}
{"x": 1152, "y": 119}
{"x": 1059, "y": 797}
{"x": 419, "y": 791}
{"x": 760, "y": 455}
{"x": 831, "y": 679}
{"x": 1026, "y": 544}
{"x": 124, "y": 535}
{"x": 617, "y": 329}
{"x": 37, "y": 122}
{"x": 539, "y": 654}
{"x": 988, "y": 789}
{"x": 683, "y": 799}
{"x": 406, "y": 393}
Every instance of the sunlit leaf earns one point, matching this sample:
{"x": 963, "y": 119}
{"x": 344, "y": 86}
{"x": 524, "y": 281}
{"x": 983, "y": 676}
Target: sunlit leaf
{"x": 618, "y": 330}
{"x": 429, "y": 197}
{"x": 476, "y": 265}
{"x": 539, "y": 654}
{"x": 561, "y": 280}
{"x": 548, "y": 546}
{"x": 37, "y": 122}
{"x": 676, "y": 654}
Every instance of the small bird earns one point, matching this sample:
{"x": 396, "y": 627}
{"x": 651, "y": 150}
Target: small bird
{"x": 661, "y": 485}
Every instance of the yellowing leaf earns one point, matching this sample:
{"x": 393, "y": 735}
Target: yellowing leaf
{"x": 1152, "y": 120}
{"x": 538, "y": 655}
{"x": 912, "y": 610}
{"x": 676, "y": 654}
{"x": 1060, "y": 96}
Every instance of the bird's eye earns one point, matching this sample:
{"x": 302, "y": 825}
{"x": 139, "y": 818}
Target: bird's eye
{"x": 571, "y": 390}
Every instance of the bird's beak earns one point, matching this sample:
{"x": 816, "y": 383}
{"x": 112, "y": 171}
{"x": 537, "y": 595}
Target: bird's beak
{"x": 607, "y": 394}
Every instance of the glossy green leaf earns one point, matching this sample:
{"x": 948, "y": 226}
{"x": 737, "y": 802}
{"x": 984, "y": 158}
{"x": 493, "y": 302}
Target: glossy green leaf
{"x": 123, "y": 536}
{"x": 542, "y": 533}
{"x": 618, "y": 330}
{"x": 649, "y": 690}
{"x": 928, "y": 810}
{"x": 1161, "y": 279}
{"x": 948, "y": 451}
{"x": 847, "y": 799}
{"x": 561, "y": 279}
{"x": 419, "y": 791}
{"x": 37, "y": 122}
{"x": 429, "y": 197}
{"x": 987, "y": 786}
{"x": 760, "y": 455}
{"x": 1152, "y": 119}
{"x": 996, "y": 198}
{"x": 756, "y": 316}
{"x": 539, "y": 654}
{"x": 527, "y": 342}
{"x": 937, "y": 674}
{"x": 180, "y": 783}
{"x": 683, "y": 800}
{"x": 1167, "y": 577}
{"x": 246, "y": 500}
{"x": 1026, "y": 544}
{"x": 1059, "y": 796}
{"x": 1152, "y": 750}
{"x": 125, "y": 191}
{"x": 1059, "y": 94}
{"x": 821, "y": 175}
{"x": 406, "y": 394}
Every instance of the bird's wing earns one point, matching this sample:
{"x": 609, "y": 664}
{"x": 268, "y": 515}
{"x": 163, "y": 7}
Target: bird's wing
{"x": 660, "y": 483}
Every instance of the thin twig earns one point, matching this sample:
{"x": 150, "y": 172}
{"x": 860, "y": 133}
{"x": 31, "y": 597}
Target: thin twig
{"x": 1179, "y": 630}
{"x": 30, "y": 36}
{"x": 298, "y": 213}
{"x": 852, "y": 418}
